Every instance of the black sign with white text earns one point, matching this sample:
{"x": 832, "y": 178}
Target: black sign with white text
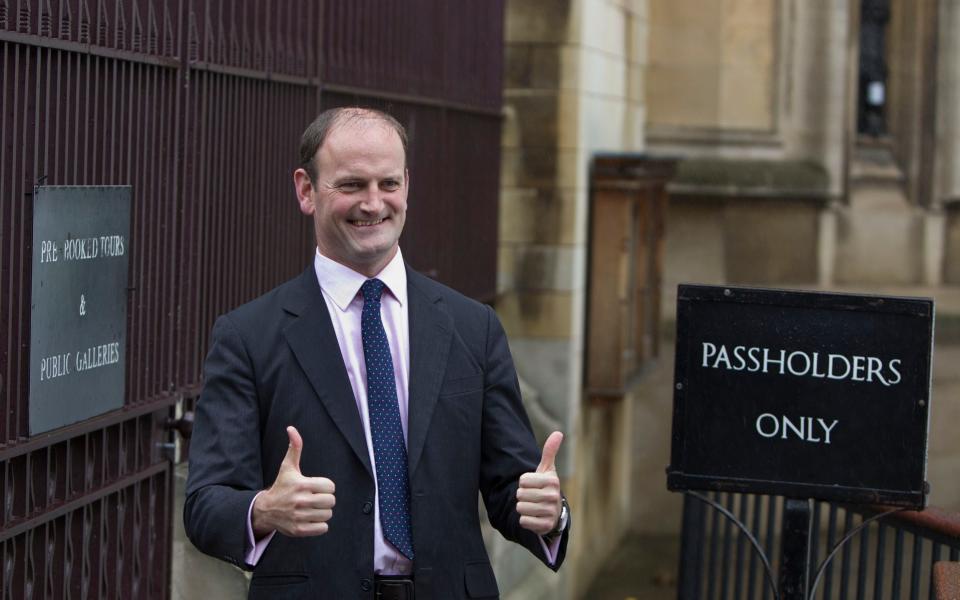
{"x": 802, "y": 394}
{"x": 78, "y": 317}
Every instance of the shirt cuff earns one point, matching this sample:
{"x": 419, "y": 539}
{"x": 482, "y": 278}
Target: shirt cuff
{"x": 552, "y": 545}
{"x": 254, "y": 548}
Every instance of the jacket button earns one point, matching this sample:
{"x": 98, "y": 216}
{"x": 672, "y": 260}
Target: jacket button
{"x": 367, "y": 507}
{"x": 365, "y": 585}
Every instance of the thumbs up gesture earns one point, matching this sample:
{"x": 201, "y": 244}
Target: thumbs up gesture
{"x": 294, "y": 505}
{"x": 538, "y": 496}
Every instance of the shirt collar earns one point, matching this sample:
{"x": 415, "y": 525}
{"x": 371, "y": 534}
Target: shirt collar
{"x": 343, "y": 283}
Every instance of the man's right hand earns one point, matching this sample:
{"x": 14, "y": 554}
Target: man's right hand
{"x": 294, "y": 505}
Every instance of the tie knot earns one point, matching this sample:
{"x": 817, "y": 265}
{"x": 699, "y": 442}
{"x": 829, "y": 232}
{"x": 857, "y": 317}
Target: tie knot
{"x": 372, "y": 289}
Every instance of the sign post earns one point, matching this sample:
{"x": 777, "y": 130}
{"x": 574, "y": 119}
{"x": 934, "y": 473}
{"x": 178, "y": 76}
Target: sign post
{"x": 805, "y": 395}
{"x": 795, "y": 549}
{"x": 78, "y": 317}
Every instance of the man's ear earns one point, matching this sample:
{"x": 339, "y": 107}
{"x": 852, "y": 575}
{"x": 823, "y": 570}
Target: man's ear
{"x": 304, "y": 187}
{"x": 406, "y": 179}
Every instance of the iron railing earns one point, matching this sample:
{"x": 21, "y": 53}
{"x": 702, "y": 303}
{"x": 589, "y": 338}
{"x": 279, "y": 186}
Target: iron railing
{"x": 199, "y": 105}
{"x": 890, "y": 557}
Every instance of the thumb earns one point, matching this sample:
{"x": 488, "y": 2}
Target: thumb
{"x": 550, "y": 449}
{"x": 292, "y": 458}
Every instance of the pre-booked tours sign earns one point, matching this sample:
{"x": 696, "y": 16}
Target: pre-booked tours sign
{"x": 78, "y": 318}
{"x": 804, "y": 394}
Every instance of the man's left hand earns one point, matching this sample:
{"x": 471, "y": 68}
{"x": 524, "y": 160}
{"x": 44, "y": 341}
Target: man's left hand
{"x": 538, "y": 497}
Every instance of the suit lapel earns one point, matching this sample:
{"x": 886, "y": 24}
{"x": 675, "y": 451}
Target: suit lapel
{"x": 430, "y": 335}
{"x": 314, "y": 343}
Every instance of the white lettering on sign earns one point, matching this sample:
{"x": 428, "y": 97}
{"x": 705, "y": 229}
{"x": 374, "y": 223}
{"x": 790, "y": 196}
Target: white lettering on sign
{"x": 54, "y": 366}
{"x": 98, "y": 356}
{"x": 111, "y": 245}
{"x": 808, "y": 429}
{"x": 49, "y": 252}
{"x": 800, "y": 363}
{"x": 80, "y": 249}
{"x": 93, "y": 357}
{"x": 104, "y": 246}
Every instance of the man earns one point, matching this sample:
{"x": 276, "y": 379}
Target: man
{"x": 350, "y": 417}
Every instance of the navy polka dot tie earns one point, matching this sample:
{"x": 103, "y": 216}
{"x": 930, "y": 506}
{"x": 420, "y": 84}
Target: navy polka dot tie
{"x": 389, "y": 448}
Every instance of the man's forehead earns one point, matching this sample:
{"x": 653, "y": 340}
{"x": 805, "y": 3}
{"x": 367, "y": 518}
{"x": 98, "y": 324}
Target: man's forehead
{"x": 360, "y": 122}
{"x": 369, "y": 136}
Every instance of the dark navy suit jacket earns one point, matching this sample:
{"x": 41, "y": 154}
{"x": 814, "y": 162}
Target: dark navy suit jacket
{"x": 275, "y": 362}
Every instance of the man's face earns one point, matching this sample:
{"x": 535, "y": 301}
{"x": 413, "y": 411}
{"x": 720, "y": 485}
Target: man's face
{"x": 359, "y": 201}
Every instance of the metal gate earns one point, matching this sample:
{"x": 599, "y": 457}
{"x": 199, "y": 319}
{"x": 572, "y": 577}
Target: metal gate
{"x": 198, "y": 104}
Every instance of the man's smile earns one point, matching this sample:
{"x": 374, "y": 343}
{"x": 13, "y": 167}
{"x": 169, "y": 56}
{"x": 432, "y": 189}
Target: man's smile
{"x": 359, "y": 223}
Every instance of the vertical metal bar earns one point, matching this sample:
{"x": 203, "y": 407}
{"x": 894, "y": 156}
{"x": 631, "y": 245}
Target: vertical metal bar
{"x": 846, "y": 553}
{"x": 17, "y": 283}
{"x": 897, "y": 564}
{"x": 831, "y": 542}
{"x": 815, "y": 537}
{"x": 741, "y": 541}
{"x": 862, "y": 565}
{"x": 756, "y": 506}
{"x": 138, "y": 173}
{"x": 692, "y": 541}
{"x": 795, "y": 549}
{"x": 880, "y": 564}
{"x": 727, "y": 543}
{"x": 6, "y": 400}
{"x": 916, "y": 567}
{"x": 771, "y": 532}
{"x": 171, "y": 239}
{"x": 712, "y": 563}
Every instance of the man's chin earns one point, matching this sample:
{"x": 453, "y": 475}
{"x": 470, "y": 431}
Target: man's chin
{"x": 377, "y": 256}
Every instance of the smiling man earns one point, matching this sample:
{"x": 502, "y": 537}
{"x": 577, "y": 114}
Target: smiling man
{"x": 350, "y": 417}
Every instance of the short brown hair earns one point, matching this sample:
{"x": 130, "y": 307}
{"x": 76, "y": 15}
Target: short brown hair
{"x": 316, "y": 133}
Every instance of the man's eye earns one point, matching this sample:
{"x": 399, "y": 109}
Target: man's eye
{"x": 390, "y": 185}
{"x": 351, "y": 186}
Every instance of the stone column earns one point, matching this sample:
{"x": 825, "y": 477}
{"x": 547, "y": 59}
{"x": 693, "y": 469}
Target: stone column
{"x": 573, "y": 87}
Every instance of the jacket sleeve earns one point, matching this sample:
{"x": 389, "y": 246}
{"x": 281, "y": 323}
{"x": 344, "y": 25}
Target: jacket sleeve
{"x": 509, "y": 448}
{"x": 225, "y": 467}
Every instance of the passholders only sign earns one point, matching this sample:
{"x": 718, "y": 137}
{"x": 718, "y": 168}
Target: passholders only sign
{"x": 803, "y": 394}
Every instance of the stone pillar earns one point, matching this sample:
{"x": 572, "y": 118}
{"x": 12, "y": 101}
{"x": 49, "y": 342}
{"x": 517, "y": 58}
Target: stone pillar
{"x": 946, "y": 196}
{"x": 818, "y": 125}
{"x": 573, "y": 87}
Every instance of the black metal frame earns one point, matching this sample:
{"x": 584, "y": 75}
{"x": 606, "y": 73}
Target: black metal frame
{"x": 800, "y": 540}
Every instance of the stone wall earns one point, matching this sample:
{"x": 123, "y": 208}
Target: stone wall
{"x": 712, "y": 65}
{"x": 573, "y": 87}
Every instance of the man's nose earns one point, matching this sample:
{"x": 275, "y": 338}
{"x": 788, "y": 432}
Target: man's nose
{"x": 372, "y": 198}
